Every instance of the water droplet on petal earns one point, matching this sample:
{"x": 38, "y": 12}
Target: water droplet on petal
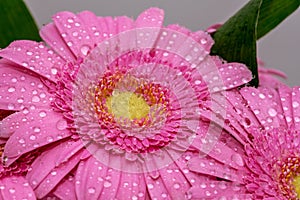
{"x": 237, "y": 158}
{"x": 32, "y": 137}
{"x": 107, "y": 184}
{"x": 53, "y": 70}
{"x": 43, "y": 114}
{"x": 12, "y": 190}
{"x": 11, "y": 89}
{"x": 61, "y": 124}
{"x": 35, "y": 99}
{"x": 272, "y": 112}
{"x": 176, "y": 186}
{"x": 10, "y": 107}
{"x": 91, "y": 190}
{"x": 85, "y": 49}
{"x": 36, "y": 129}
{"x": 295, "y": 104}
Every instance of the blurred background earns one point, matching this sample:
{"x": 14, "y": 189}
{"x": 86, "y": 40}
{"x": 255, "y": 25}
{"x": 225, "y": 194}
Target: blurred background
{"x": 280, "y": 49}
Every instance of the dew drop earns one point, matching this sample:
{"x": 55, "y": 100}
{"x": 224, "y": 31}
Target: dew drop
{"x": 150, "y": 186}
{"x": 53, "y": 173}
{"x": 61, "y": 124}
{"x": 36, "y": 129}
{"x": 262, "y": 96}
{"x": 32, "y": 137}
{"x": 10, "y": 107}
{"x": 176, "y": 186}
{"x": 14, "y": 80}
{"x": 91, "y": 190}
{"x": 272, "y": 112}
{"x": 22, "y": 141}
{"x": 295, "y": 104}
{"x": 20, "y": 100}
{"x": 237, "y": 158}
{"x": 85, "y": 49}
{"x": 107, "y": 184}
{"x": 53, "y": 71}
{"x": 35, "y": 99}
{"x": 12, "y": 190}
{"x": 43, "y": 114}
{"x": 11, "y": 89}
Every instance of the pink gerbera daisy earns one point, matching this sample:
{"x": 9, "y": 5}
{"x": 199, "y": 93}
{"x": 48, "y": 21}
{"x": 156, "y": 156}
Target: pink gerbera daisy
{"x": 114, "y": 103}
{"x": 262, "y": 136}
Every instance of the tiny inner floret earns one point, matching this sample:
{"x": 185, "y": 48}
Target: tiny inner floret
{"x": 296, "y": 184}
{"x": 127, "y": 105}
{"x": 123, "y": 100}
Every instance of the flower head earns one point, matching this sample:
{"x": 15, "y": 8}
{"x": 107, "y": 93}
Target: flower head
{"x": 262, "y": 136}
{"x": 113, "y": 102}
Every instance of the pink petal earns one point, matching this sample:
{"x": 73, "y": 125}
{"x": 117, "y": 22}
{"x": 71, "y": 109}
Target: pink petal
{"x": 296, "y": 106}
{"x": 208, "y": 166}
{"x": 40, "y": 170}
{"x": 265, "y": 104}
{"x": 53, "y": 38}
{"x": 57, "y": 174}
{"x": 21, "y": 88}
{"x": 217, "y": 190}
{"x": 42, "y": 128}
{"x": 66, "y": 189}
{"x": 15, "y": 187}
{"x": 201, "y": 37}
{"x": 153, "y": 17}
{"x": 132, "y": 186}
{"x": 34, "y": 56}
{"x": 222, "y": 153}
{"x": 92, "y": 185}
{"x": 234, "y": 75}
{"x": 74, "y": 32}
{"x": 285, "y": 94}
{"x": 100, "y": 28}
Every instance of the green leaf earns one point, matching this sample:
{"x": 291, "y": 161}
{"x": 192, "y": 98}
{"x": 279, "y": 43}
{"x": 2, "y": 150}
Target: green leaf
{"x": 272, "y": 12}
{"x": 235, "y": 41}
{"x": 16, "y": 22}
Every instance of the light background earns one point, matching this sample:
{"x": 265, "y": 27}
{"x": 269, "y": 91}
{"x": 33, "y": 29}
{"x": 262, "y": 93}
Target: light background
{"x": 279, "y": 49}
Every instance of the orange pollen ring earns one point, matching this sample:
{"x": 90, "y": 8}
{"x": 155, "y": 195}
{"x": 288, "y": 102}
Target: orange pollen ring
{"x": 152, "y": 93}
{"x": 289, "y": 171}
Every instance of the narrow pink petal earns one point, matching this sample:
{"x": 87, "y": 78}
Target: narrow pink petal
{"x": 112, "y": 178}
{"x": 92, "y": 185}
{"x": 174, "y": 180}
{"x": 53, "y": 38}
{"x": 20, "y": 88}
{"x": 40, "y": 170}
{"x": 222, "y": 153}
{"x": 15, "y": 187}
{"x": 204, "y": 39}
{"x": 153, "y": 17}
{"x": 217, "y": 190}
{"x": 296, "y": 106}
{"x": 156, "y": 188}
{"x": 66, "y": 189}
{"x": 239, "y": 113}
{"x": 132, "y": 186}
{"x": 73, "y": 32}
{"x": 182, "y": 163}
{"x": 208, "y": 166}
{"x": 42, "y": 128}
{"x": 285, "y": 94}
{"x": 234, "y": 75}
{"x": 35, "y": 57}
{"x": 265, "y": 104}
{"x": 56, "y": 175}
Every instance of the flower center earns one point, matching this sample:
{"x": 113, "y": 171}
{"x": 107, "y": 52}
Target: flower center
{"x": 127, "y": 105}
{"x": 289, "y": 177}
{"x": 296, "y": 184}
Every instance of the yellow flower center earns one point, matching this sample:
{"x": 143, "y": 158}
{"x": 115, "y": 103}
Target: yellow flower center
{"x": 296, "y": 184}
{"x": 127, "y": 105}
